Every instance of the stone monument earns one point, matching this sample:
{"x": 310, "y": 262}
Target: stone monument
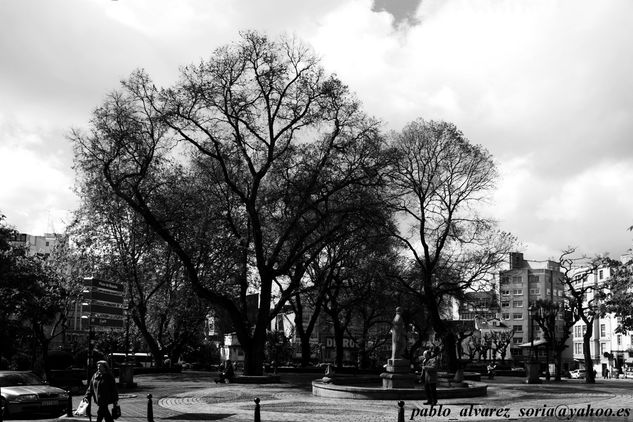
{"x": 397, "y": 371}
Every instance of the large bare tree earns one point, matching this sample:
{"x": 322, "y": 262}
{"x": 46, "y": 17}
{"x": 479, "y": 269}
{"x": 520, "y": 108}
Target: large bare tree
{"x": 248, "y": 164}
{"x": 439, "y": 179}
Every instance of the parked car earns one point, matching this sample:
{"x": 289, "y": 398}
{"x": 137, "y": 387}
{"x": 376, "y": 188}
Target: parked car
{"x": 577, "y": 374}
{"x": 25, "y": 392}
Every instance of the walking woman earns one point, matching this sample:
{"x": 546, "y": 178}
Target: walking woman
{"x": 102, "y": 388}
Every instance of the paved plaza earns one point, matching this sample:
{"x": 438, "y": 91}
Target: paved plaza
{"x": 193, "y": 396}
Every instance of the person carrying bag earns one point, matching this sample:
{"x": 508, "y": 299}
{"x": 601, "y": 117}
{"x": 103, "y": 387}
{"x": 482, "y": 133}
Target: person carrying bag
{"x": 102, "y": 387}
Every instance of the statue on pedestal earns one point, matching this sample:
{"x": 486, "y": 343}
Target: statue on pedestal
{"x": 398, "y": 336}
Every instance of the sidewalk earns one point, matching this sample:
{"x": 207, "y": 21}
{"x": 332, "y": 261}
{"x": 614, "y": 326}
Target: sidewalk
{"x": 193, "y": 396}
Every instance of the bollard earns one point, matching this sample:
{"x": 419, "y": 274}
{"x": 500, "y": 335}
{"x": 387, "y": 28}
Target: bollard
{"x": 69, "y": 404}
{"x": 150, "y": 409}
{"x": 401, "y": 411}
{"x": 257, "y": 415}
{"x": 89, "y": 408}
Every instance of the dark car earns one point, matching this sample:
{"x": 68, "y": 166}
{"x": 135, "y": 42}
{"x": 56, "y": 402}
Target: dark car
{"x": 25, "y": 392}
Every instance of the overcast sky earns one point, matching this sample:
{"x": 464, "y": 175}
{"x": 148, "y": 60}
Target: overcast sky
{"x": 546, "y": 86}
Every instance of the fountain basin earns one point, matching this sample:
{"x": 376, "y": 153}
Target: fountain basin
{"x": 369, "y": 389}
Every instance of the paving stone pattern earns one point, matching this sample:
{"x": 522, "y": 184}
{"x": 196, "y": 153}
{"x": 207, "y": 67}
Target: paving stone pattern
{"x": 193, "y": 396}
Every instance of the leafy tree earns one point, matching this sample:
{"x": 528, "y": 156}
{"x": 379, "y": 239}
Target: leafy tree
{"x": 620, "y": 295}
{"x": 35, "y": 301}
{"x": 122, "y": 249}
{"x": 248, "y": 164}
{"x": 438, "y": 179}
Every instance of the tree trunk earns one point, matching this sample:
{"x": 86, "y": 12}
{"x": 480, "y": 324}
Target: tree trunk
{"x": 590, "y": 377}
{"x": 338, "y": 343}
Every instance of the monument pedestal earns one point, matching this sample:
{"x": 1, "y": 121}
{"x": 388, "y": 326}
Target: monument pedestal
{"x": 397, "y": 375}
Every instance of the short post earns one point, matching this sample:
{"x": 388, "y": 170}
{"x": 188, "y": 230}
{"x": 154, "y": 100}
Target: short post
{"x": 150, "y": 409}
{"x": 400, "y": 411}
{"x": 89, "y": 408}
{"x": 69, "y": 404}
{"x": 257, "y": 411}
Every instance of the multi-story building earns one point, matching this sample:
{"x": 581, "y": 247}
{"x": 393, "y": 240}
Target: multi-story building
{"x": 484, "y": 304}
{"x": 36, "y": 245}
{"x": 610, "y": 350}
{"x": 521, "y": 286}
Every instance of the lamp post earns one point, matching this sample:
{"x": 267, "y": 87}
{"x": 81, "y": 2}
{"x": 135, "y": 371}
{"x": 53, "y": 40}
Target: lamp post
{"x": 532, "y": 367}
{"x": 531, "y": 311}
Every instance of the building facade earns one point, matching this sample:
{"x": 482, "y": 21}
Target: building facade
{"x": 611, "y": 350}
{"x": 520, "y": 286}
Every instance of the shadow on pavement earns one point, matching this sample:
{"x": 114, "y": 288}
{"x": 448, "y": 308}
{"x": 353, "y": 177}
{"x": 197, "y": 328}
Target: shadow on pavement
{"x": 199, "y": 417}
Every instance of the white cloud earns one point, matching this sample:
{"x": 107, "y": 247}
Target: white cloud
{"x": 35, "y": 194}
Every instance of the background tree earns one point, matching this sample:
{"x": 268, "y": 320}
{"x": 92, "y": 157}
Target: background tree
{"x": 585, "y": 298}
{"x": 35, "y": 302}
{"x": 438, "y": 179}
{"x": 258, "y": 149}
{"x": 123, "y": 249}
{"x": 556, "y": 320}
{"x": 620, "y": 295}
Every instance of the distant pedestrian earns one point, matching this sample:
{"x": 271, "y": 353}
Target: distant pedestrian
{"x": 491, "y": 370}
{"x": 102, "y": 388}
{"x": 227, "y": 372}
{"x": 429, "y": 370}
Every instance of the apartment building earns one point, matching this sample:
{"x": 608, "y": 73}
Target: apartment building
{"x": 610, "y": 350}
{"x": 36, "y": 245}
{"x": 519, "y": 287}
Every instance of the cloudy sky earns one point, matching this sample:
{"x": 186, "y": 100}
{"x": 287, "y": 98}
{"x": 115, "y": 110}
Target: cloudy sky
{"x": 546, "y": 86}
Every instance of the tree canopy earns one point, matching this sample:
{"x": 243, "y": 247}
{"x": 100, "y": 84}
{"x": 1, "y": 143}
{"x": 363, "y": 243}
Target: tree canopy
{"x": 251, "y": 162}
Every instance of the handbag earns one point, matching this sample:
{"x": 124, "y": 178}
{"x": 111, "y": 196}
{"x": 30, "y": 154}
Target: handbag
{"x": 82, "y": 409}
{"x": 116, "y": 411}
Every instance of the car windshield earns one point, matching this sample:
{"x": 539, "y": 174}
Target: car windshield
{"x": 17, "y": 379}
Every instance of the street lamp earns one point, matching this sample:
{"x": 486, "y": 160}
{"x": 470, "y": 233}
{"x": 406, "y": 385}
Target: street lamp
{"x": 532, "y": 367}
{"x": 531, "y": 310}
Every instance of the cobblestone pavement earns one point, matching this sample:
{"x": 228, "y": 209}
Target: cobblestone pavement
{"x": 193, "y": 396}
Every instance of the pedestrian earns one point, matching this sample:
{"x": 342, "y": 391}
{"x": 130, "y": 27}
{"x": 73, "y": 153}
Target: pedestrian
{"x": 606, "y": 373}
{"x": 227, "y": 373}
{"x": 429, "y": 369}
{"x": 102, "y": 388}
{"x": 491, "y": 370}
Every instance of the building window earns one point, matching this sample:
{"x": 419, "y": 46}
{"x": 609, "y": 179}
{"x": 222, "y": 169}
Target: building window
{"x": 533, "y": 278}
{"x": 619, "y": 340}
{"x": 577, "y": 348}
{"x": 600, "y": 274}
{"x": 517, "y": 303}
{"x": 602, "y": 347}
{"x": 505, "y": 304}
{"x": 517, "y": 316}
{"x": 517, "y": 340}
{"x": 505, "y": 292}
{"x": 517, "y": 279}
{"x": 505, "y": 315}
{"x": 47, "y": 244}
{"x": 535, "y": 291}
{"x": 517, "y": 291}
{"x": 517, "y": 328}
{"x": 603, "y": 330}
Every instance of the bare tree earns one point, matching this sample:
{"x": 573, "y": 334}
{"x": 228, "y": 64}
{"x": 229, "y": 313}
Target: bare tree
{"x": 247, "y": 165}
{"x": 585, "y": 298}
{"x": 438, "y": 179}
